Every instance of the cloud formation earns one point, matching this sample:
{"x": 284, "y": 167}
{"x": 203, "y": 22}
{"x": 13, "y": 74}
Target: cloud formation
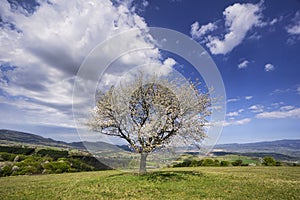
{"x": 239, "y": 20}
{"x": 232, "y": 114}
{"x": 294, "y": 28}
{"x": 280, "y": 114}
{"x": 256, "y": 108}
{"x": 46, "y": 45}
{"x": 243, "y": 64}
{"x": 197, "y": 32}
{"x": 269, "y": 67}
{"x": 274, "y": 21}
{"x": 237, "y": 122}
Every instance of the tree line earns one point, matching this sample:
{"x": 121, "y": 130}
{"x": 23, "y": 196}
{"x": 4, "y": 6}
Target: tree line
{"x": 266, "y": 161}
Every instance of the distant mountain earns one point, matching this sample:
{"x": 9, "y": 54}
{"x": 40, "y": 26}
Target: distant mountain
{"x": 10, "y": 137}
{"x": 285, "y": 147}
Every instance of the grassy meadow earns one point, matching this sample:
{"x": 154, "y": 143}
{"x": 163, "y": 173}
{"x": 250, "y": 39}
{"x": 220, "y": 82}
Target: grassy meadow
{"x": 172, "y": 183}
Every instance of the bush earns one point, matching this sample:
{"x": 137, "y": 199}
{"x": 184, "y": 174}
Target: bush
{"x": 17, "y": 150}
{"x": 217, "y": 162}
{"x": 184, "y": 163}
{"x": 57, "y": 167}
{"x": 237, "y": 163}
{"x": 34, "y": 161}
{"x": 269, "y": 161}
{"x": 55, "y": 154}
{"x": 53, "y": 161}
{"x": 195, "y": 163}
{"x": 224, "y": 163}
{"x": 28, "y": 170}
{"x": 7, "y": 156}
{"x": 6, "y": 170}
{"x": 210, "y": 162}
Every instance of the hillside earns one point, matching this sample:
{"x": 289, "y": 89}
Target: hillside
{"x": 285, "y": 147}
{"x": 10, "y": 137}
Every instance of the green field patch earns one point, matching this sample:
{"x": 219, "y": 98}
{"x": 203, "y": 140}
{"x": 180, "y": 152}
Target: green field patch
{"x": 176, "y": 183}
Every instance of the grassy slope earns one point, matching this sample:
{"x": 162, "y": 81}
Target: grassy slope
{"x": 180, "y": 183}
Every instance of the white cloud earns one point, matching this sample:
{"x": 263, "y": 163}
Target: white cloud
{"x": 277, "y": 104}
{"x": 232, "y": 114}
{"x": 235, "y": 114}
{"x": 256, "y": 108}
{"x": 286, "y": 108}
{"x": 274, "y": 21}
{"x": 269, "y": 67}
{"x": 255, "y": 36}
{"x": 248, "y": 97}
{"x": 280, "y": 114}
{"x": 237, "y": 122}
{"x": 169, "y": 62}
{"x": 243, "y": 64}
{"x": 241, "y": 110}
{"x": 294, "y": 28}
{"x": 145, "y": 3}
{"x": 239, "y": 19}
{"x": 197, "y": 32}
{"x": 47, "y": 47}
{"x": 298, "y": 89}
{"x": 232, "y": 100}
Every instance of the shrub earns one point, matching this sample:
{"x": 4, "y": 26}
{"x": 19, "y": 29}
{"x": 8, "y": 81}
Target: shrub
{"x": 30, "y": 165}
{"x": 187, "y": 162}
{"x": 55, "y": 154}
{"x": 28, "y": 170}
{"x": 237, "y": 162}
{"x": 57, "y": 167}
{"x": 6, "y": 170}
{"x": 269, "y": 161}
{"x": 209, "y": 162}
{"x": 7, "y": 156}
{"x": 225, "y": 163}
{"x": 217, "y": 162}
{"x": 17, "y": 150}
{"x": 195, "y": 163}
{"x": 184, "y": 163}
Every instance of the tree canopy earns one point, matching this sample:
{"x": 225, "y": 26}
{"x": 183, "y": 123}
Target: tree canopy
{"x": 152, "y": 113}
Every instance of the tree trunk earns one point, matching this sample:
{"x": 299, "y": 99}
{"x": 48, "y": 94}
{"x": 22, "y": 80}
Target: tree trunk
{"x": 143, "y": 163}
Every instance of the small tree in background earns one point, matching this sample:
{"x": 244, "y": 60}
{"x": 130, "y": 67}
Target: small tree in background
{"x": 225, "y": 163}
{"x": 269, "y": 161}
{"x": 238, "y": 162}
{"x": 152, "y": 113}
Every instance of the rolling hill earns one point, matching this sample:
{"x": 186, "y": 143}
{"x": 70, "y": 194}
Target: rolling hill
{"x": 10, "y": 137}
{"x": 284, "y": 147}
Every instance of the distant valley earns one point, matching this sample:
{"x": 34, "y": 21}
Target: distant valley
{"x": 289, "y": 148}
{"x": 284, "y": 149}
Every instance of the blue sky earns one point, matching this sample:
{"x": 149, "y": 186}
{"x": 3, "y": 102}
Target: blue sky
{"x": 255, "y": 45}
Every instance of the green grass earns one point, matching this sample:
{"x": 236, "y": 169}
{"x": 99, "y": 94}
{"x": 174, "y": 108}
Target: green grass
{"x": 232, "y": 158}
{"x": 179, "y": 183}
